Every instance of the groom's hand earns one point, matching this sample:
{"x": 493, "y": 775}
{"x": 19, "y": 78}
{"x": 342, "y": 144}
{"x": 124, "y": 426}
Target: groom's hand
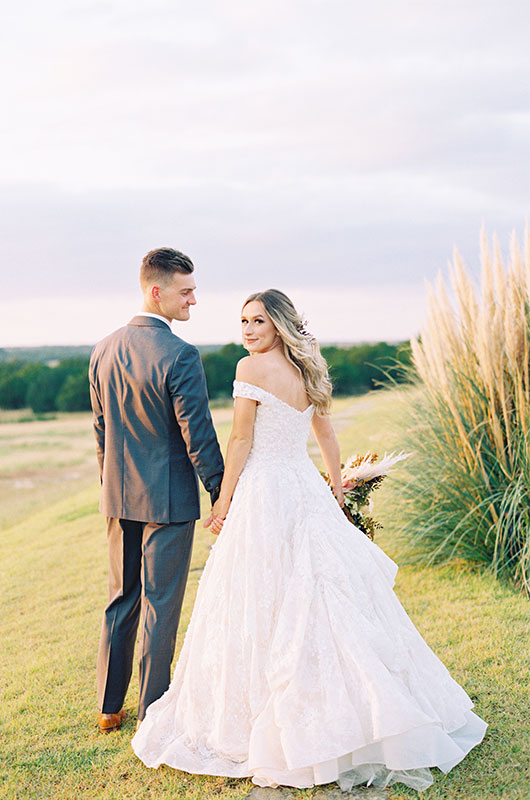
{"x": 217, "y": 515}
{"x": 216, "y": 524}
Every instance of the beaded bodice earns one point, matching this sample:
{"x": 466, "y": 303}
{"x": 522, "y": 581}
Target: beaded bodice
{"x": 280, "y": 430}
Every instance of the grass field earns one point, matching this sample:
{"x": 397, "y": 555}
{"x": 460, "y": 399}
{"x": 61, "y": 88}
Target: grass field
{"x": 53, "y": 590}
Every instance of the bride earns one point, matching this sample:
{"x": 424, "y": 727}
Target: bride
{"x": 299, "y": 666}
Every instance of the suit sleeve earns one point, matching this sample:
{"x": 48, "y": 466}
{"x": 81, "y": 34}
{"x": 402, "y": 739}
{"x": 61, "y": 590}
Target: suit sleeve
{"x": 189, "y": 395}
{"x": 98, "y": 421}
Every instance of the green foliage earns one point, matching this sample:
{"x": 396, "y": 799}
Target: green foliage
{"x": 63, "y": 386}
{"x": 44, "y": 354}
{"x": 13, "y": 389}
{"x": 354, "y": 370}
{"x": 43, "y": 387}
{"x": 220, "y": 368}
{"x": 468, "y": 491}
{"x": 453, "y": 512}
{"x": 74, "y": 394}
{"x": 360, "y": 368}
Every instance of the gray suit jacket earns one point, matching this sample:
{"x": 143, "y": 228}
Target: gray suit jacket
{"x": 152, "y": 424}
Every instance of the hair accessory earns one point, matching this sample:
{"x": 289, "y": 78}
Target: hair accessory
{"x": 303, "y": 329}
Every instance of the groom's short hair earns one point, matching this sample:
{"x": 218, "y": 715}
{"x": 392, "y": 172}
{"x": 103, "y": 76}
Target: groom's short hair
{"x": 159, "y": 266}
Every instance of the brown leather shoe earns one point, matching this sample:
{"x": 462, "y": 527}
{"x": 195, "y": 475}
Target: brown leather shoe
{"x": 110, "y": 722}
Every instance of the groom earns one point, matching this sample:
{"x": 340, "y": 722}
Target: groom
{"x": 154, "y": 432}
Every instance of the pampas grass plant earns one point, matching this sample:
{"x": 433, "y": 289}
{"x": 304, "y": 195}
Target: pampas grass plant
{"x": 467, "y": 492}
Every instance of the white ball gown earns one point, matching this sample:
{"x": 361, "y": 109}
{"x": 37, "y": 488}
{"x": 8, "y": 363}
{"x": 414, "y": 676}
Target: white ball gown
{"x": 299, "y": 665}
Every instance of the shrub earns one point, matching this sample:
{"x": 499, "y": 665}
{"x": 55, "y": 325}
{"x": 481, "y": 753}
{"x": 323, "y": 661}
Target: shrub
{"x": 74, "y": 394}
{"x": 43, "y": 388}
{"x": 13, "y": 392}
{"x": 13, "y": 384}
{"x": 220, "y": 369}
{"x": 361, "y": 368}
{"x": 468, "y": 489}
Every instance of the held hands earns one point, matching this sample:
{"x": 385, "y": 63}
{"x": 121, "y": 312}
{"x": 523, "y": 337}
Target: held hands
{"x": 218, "y": 515}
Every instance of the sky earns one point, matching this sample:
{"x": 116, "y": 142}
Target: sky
{"x": 334, "y": 149}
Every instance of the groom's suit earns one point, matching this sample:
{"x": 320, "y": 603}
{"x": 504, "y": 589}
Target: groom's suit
{"x": 154, "y": 433}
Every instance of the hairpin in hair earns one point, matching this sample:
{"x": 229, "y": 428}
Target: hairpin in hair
{"x": 303, "y": 329}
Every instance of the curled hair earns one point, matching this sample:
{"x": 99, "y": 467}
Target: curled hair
{"x": 299, "y": 346}
{"x": 159, "y": 266}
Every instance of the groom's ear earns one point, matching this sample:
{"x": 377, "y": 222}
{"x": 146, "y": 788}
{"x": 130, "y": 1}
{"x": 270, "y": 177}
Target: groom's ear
{"x": 155, "y": 293}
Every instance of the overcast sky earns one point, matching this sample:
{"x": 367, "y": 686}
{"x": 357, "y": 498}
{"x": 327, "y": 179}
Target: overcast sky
{"x": 337, "y": 149}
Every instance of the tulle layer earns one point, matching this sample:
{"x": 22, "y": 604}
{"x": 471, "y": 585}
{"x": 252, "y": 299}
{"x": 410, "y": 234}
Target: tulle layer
{"x": 370, "y": 765}
{"x": 300, "y": 666}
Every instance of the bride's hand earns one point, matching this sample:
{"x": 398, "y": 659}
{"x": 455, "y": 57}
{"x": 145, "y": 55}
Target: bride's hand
{"x": 218, "y": 515}
{"x": 339, "y": 495}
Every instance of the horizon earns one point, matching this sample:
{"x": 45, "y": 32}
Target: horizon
{"x": 201, "y": 346}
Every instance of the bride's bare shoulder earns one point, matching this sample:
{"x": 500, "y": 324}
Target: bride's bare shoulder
{"x": 252, "y": 369}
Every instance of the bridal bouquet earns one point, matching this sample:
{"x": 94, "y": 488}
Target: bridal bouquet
{"x": 360, "y": 476}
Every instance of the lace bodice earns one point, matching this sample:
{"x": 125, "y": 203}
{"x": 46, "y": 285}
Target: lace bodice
{"x": 280, "y": 430}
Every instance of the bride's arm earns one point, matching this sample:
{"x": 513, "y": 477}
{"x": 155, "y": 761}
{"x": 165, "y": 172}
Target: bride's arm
{"x": 239, "y": 445}
{"x": 329, "y": 447}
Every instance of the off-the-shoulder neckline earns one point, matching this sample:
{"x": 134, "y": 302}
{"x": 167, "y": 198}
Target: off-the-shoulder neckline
{"x": 261, "y": 389}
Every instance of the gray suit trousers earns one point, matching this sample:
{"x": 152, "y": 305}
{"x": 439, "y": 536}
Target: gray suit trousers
{"x": 148, "y": 568}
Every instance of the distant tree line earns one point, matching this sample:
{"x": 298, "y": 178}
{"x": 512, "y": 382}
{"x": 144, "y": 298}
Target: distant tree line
{"x": 41, "y": 387}
{"x": 45, "y": 353}
{"x": 354, "y": 370}
{"x": 63, "y": 386}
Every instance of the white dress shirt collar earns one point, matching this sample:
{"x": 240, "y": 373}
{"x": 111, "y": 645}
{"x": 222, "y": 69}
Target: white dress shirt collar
{"x": 155, "y": 316}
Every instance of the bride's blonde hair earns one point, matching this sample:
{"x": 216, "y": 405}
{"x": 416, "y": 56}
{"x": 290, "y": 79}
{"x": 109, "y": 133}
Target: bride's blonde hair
{"x": 299, "y": 346}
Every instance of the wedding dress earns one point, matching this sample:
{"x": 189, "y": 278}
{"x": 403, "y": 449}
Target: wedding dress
{"x": 299, "y": 665}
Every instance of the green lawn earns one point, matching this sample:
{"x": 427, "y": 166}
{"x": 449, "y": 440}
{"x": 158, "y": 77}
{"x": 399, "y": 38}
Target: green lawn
{"x": 53, "y": 592}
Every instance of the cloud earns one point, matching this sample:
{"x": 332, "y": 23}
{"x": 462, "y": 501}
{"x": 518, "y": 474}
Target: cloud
{"x": 54, "y": 243}
{"x": 293, "y": 141}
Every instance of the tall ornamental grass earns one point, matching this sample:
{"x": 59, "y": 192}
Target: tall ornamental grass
{"x": 467, "y": 491}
